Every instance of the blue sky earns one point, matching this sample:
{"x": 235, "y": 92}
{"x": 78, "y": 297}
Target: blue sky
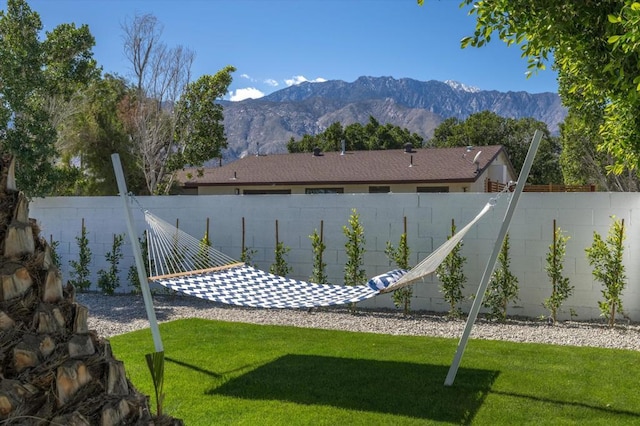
{"x": 276, "y": 43}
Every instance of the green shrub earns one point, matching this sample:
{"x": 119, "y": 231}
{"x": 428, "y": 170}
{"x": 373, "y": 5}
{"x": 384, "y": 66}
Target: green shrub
{"x": 354, "y": 247}
{"x": 108, "y": 280}
{"x": 606, "y": 259}
{"x": 503, "y": 287}
{"x": 80, "y": 268}
{"x": 280, "y": 265}
{"x": 451, "y": 275}
{"x": 132, "y": 275}
{"x": 400, "y": 256}
{"x": 560, "y": 285}
{"x": 319, "y": 266}
{"x": 55, "y": 257}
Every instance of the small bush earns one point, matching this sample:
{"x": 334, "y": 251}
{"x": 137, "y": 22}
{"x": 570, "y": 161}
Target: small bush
{"x": 319, "y": 275}
{"x": 80, "y": 268}
{"x": 109, "y": 281}
{"x": 280, "y": 266}
{"x": 451, "y": 275}
{"x": 400, "y": 256}
{"x": 354, "y": 247}
{"x": 606, "y": 259}
{"x": 561, "y": 289}
{"x": 503, "y": 287}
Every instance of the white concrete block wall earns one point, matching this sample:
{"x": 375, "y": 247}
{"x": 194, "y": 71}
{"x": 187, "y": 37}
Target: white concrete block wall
{"x": 428, "y": 221}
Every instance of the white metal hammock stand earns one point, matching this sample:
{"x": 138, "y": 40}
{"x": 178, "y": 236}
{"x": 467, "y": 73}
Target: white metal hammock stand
{"x": 491, "y": 264}
{"x": 227, "y": 282}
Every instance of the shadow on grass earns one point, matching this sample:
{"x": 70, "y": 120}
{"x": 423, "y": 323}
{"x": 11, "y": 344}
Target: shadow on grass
{"x": 203, "y": 371}
{"x": 406, "y": 389}
{"x": 633, "y": 415}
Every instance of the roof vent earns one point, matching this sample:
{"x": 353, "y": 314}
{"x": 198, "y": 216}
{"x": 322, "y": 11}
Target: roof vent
{"x": 317, "y": 152}
{"x": 408, "y": 148}
{"x": 343, "y": 146}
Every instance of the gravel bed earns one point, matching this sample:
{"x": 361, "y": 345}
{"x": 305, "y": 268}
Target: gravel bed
{"x": 113, "y": 315}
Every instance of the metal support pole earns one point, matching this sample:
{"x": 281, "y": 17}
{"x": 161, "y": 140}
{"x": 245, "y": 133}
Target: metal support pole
{"x": 137, "y": 254}
{"x": 486, "y": 276}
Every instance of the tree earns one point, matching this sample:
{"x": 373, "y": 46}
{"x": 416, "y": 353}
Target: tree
{"x": 356, "y": 137}
{"x": 451, "y": 274}
{"x": 97, "y": 129}
{"x": 32, "y": 73}
{"x": 595, "y": 51}
{"x": 561, "y": 288}
{"x": 354, "y": 248}
{"x": 400, "y": 256}
{"x": 280, "y": 265}
{"x": 606, "y": 257}
{"x": 80, "y": 268}
{"x": 581, "y": 161}
{"x": 173, "y": 122}
{"x": 199, "y": 121}
{"x": 488, "y": 128}
{"x": 109, "y": 279}
{"x": 161, "y": 74}
{"x": 319, "y": 274}
{"x": 503, "y": 287}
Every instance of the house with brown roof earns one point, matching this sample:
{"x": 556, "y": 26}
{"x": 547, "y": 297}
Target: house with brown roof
{"x": 459, "y": 169}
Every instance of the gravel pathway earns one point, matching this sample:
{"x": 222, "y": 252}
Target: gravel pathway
{"x": 113, "y": 315}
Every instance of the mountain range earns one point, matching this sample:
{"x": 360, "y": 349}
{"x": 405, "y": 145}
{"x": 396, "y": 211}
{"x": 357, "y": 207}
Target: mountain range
{"x": 265, "y": 125}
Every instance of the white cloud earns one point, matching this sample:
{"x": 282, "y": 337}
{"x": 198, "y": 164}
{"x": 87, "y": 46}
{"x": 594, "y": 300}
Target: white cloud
{"x": 301, "y": 79}
{"x": 271, "y": 82}
{"x": 246, "y": 93}
{"x": 245, "y": 76}
{"x": 297, "y": 79}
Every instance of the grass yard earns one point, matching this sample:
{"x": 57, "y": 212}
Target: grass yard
{"x": 222, "y": 373}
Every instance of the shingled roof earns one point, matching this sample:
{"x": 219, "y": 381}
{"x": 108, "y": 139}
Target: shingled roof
{"x": 425, "y": 165}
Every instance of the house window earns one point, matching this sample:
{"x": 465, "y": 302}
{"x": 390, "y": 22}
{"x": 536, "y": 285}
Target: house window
{"x": 266, "y": 191}
{"x": 324, "y": 191}
{"x": 379, "y": 189}
{"x": 433, "y": 189}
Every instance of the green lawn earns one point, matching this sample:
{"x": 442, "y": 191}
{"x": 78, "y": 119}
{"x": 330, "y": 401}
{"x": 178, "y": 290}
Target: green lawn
{"x": 220, "y": 373}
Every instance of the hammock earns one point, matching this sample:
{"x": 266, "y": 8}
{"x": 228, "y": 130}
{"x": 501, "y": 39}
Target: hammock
{"x": 185, "y": 264}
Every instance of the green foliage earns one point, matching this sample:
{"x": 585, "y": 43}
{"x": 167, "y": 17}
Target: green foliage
{"x": 606, "y": 258}
{"x": 319, "y": 266}
{"x": 203, "y": 259}
{"x": 583, "y": 161}
{"x": 280, "y": 266}
{"x": 247, "y": 255}
{"x": 132, "y": 275}
{"x": 561, "y": 288}
{"x": 109, "y": 280}
{"x": 199, "y": 134}
{"x": 34, "y": 72}
{"x": 155, "y": 362}
{"x": 80, "y": 268}
{"x": 595, "y": 51}
{"x": 354, "y": 248}
{"x": 354, "y": 274}
{"x": 97, "y": 128}
{"x": 372, "y": 136}
{"x": 55, "y": 257}
{"x": 486, "y": 127}
{"x": 400, "y": 256}
{"x": 503, "y": 287}
{"x": 451, "y": 275}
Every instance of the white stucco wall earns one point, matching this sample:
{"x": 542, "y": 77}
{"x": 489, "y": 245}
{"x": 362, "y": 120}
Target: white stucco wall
{"x": 429, "y": 220}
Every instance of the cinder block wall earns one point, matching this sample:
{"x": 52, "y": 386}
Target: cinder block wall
{"x": 428, "y": 221}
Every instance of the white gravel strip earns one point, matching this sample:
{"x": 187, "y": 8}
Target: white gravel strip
{"x": 113, "y": 315}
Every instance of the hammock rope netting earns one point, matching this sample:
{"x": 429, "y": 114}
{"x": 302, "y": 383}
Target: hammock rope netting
{"x": 185, "y": 264}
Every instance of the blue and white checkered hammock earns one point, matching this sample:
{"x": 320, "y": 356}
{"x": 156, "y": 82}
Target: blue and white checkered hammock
{"x": 182, "y": 263}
